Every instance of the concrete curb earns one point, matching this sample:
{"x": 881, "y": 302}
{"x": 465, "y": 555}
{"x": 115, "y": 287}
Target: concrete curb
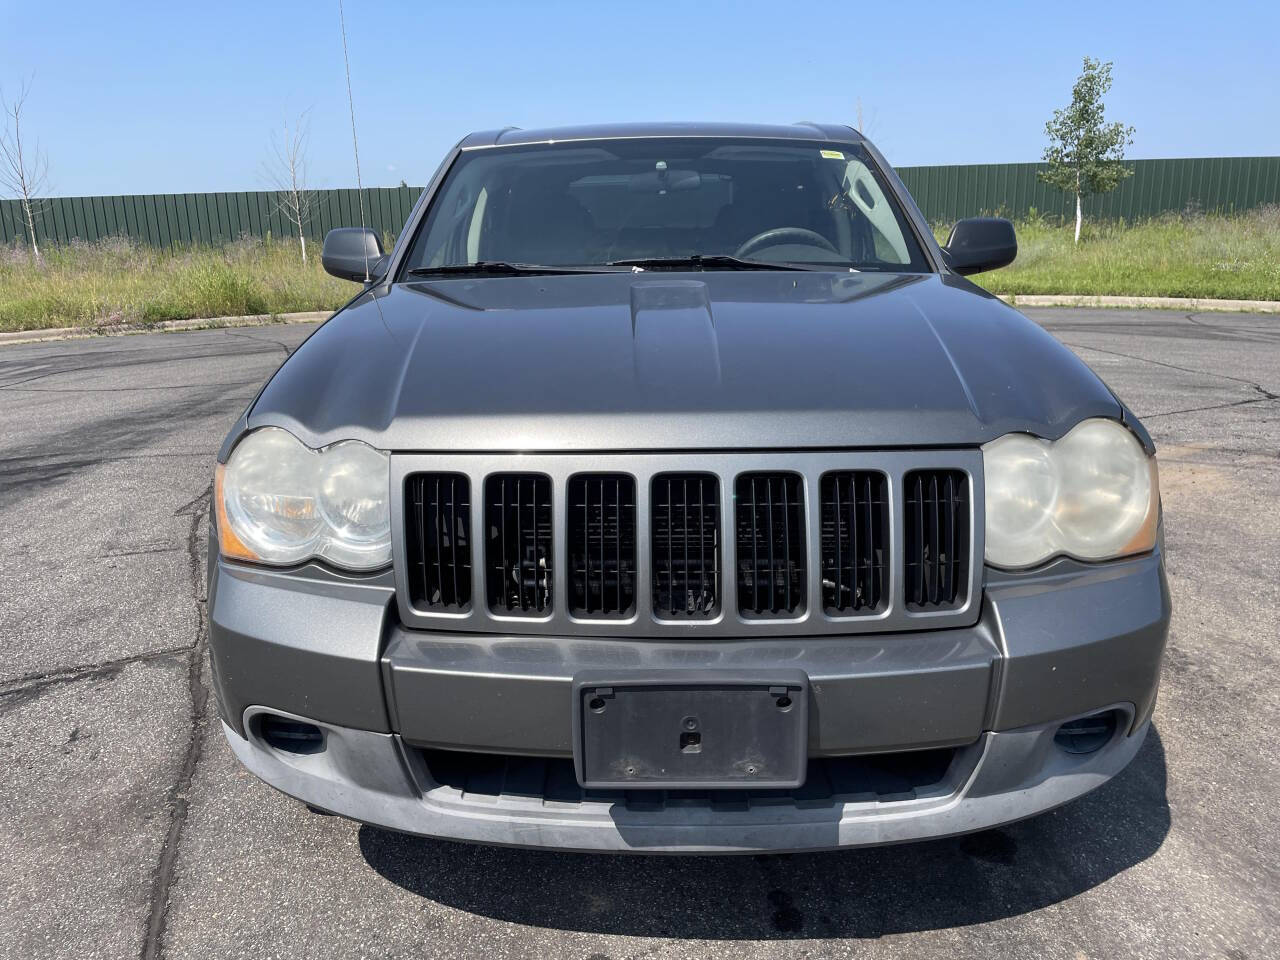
{"x": 1141, "y": 303}
{"x": 165, "y": 326}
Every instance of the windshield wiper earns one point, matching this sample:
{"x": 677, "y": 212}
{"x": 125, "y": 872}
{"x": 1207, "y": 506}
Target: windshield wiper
{"x": 505, "y": 268}
{"x": 502, "y": 268}
{"x": 699, "y": 261}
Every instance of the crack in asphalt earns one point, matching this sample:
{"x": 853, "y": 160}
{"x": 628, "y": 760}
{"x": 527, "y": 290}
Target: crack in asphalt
{"x": 1246, "y": 336}
{"x": 95, "y": 347}
{"x": 145, "y": 362}
{"x": 248, "y": 336}
{"x": 25, "y": 688}
{"x": 98, "y": 428}
{"x": 175, "y": 386}
{"x": 1162, "y": 323}
{"x": 106, "y": 457}
{"x": 145, "y": 551}
{"x": 179, "y": 793}
{"x": 1173, "y": 366}
{"x": 1268, "y": 398}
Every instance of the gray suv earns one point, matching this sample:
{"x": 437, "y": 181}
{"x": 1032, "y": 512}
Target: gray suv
{"x": 669, "y": 489}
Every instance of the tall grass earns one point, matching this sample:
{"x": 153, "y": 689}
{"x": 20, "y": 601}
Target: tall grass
{"x": 1232, "y": 257}
{"x": 117, "y": 280}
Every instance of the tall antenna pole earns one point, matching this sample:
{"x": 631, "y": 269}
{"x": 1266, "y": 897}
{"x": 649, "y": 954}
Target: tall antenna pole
{"x": 355, "y": 144}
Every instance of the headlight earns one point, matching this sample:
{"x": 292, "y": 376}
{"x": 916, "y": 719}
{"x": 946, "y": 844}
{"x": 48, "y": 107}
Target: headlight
{"x": 1093, "y": 495}
{"x": 281, "y": 502}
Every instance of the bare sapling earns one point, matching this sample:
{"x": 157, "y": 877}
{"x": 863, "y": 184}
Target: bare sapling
{"x": 286, "y": 169}
{"x": 24, "y": 166}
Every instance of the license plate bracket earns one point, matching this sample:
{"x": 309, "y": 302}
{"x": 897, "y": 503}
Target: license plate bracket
{"x": 698, "y": 730}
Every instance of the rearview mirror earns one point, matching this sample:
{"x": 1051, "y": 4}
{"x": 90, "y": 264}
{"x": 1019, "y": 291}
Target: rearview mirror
{"x": 664, "y": 181}
{"x": 980, "y": 243}
{"x": 349, "y": 252}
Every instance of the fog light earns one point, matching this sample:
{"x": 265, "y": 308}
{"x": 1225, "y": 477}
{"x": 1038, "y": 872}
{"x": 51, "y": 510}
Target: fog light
{"x": 291, "y": 736}
{"x": 1088, "y": 733}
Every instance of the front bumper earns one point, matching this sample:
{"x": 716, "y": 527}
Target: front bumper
{"x": 373, "y": 778}
{"x": 1070, "y": 641}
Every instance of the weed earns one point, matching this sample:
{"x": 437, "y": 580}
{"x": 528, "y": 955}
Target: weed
{"x": 1187, "y": 254}
{"x": 118, "y": 280}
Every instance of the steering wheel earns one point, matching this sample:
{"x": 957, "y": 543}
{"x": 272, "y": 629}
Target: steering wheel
{"x": 778, "y": 235}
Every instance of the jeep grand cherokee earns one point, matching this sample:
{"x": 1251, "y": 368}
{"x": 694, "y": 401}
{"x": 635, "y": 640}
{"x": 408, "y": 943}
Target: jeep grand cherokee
{"x": 668, "y": 488}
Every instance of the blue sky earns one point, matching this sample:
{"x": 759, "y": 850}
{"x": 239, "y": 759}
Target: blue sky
{"x": 179, "y": 96}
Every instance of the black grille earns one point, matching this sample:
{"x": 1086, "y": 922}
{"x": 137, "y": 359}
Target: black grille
{"x": 602, "y": 545}
{"x": 855, "y": 541}
{"x": 518, "y": 561}
{"x": 937, "y": 538}
{"x": 770, "y": 544}
{"x": 685, "y": 523}
{"x": 438, "y": 541}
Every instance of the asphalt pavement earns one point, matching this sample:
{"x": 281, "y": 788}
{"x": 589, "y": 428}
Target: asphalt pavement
{"x": 127, "y": 829}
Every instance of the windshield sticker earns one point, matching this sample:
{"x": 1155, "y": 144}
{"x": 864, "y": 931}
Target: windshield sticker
{"x": 831, "y": 154}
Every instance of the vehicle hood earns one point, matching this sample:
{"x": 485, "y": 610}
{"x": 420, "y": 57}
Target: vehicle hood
{"x": 661, "y": 361}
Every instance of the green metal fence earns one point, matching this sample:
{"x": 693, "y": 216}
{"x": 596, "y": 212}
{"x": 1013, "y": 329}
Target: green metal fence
{"x": 1210, "y": 184}
{"x": 189, "y": 219}
{"x": 1223, "y": 184}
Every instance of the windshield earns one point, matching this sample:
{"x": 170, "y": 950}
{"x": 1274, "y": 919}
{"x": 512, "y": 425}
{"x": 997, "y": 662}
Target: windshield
{"x": 610, "y": 202}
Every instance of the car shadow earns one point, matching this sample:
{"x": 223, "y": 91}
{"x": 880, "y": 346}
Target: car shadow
{"x": 848, "y": 894}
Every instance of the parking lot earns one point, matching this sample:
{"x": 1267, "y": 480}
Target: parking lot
{"x": 127, "y": 829}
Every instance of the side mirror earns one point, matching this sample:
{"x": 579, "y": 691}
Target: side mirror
{"x": 980, "y": 243}
{"x": 348, "y": 250}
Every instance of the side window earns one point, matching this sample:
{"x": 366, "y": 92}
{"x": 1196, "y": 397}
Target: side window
{"x": 456, "y": 228}
{"x": 861, "y": 188}
{"x": 477, "y": 225}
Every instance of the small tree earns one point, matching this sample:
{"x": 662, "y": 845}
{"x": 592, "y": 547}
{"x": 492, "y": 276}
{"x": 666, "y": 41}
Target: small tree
{"x": 864, "y": 121}
{"x": 24, "y": 172}
{"x": 287, "y": 171}
{"x": 1086, "y": 154}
